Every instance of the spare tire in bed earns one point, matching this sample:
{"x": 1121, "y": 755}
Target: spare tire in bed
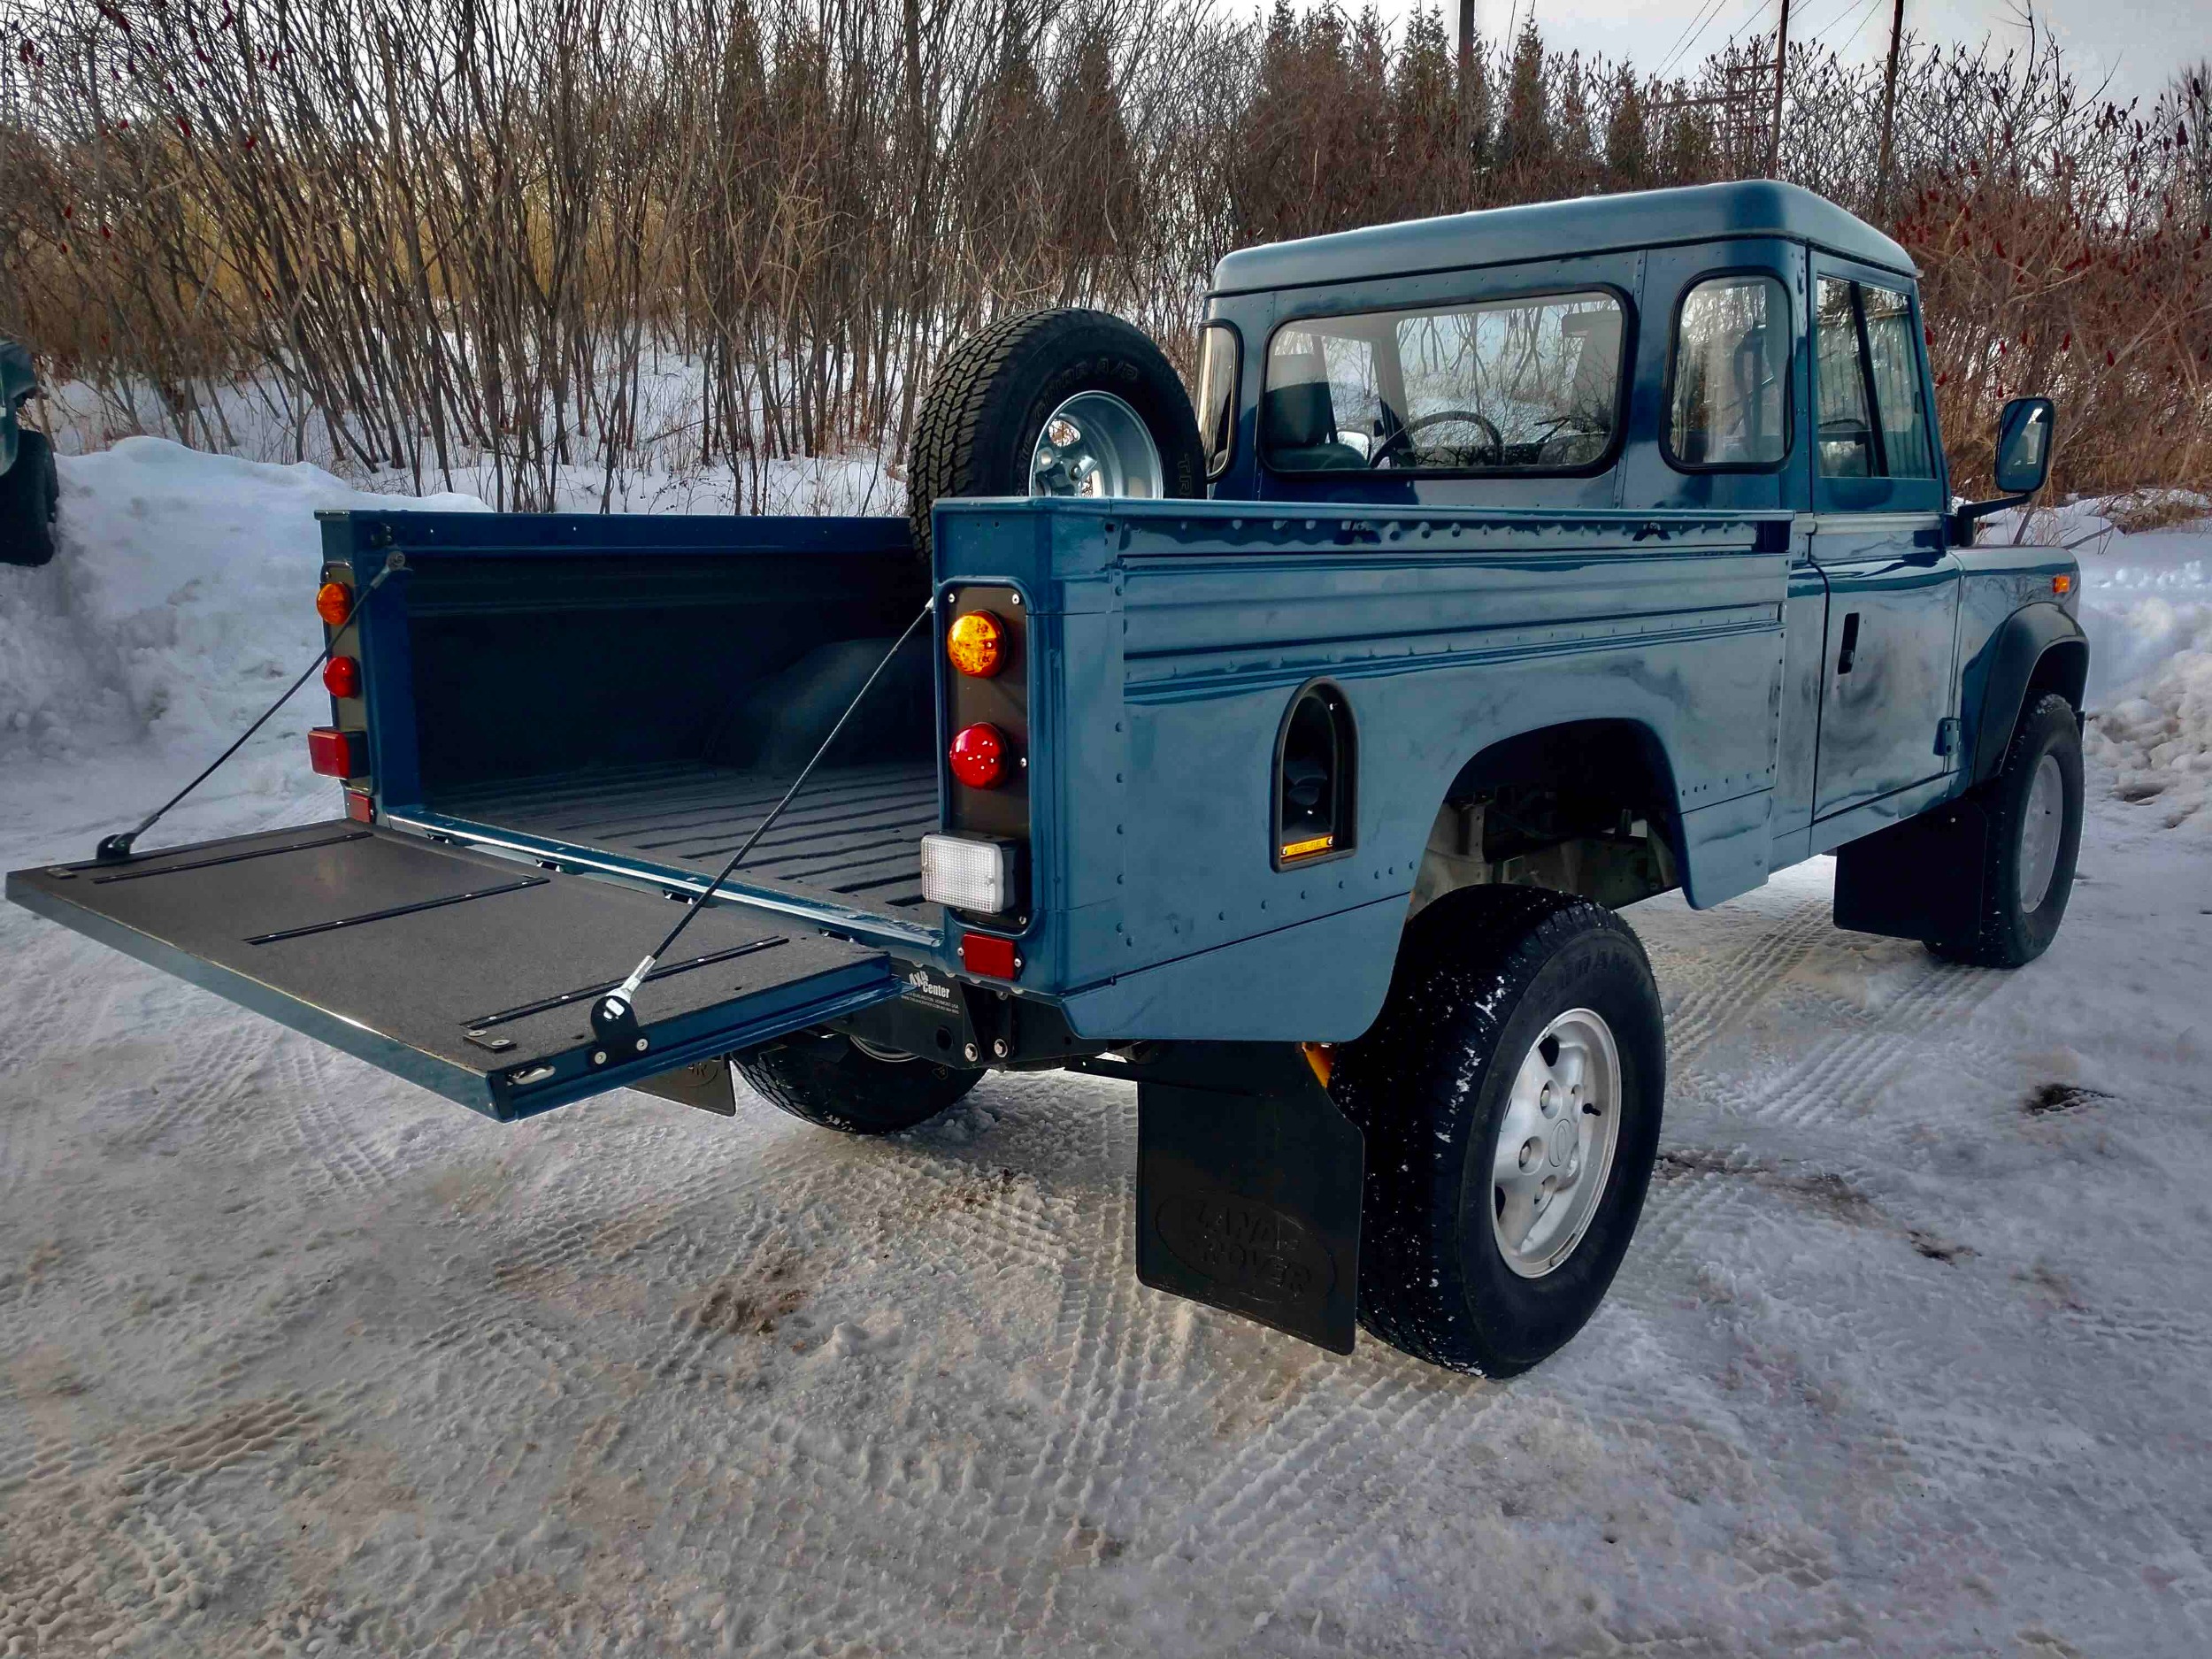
{"x": 1055, "y": 402}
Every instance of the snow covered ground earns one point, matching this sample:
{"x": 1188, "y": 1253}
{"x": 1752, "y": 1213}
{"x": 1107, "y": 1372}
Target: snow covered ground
{"x": 1910, "y": 1357}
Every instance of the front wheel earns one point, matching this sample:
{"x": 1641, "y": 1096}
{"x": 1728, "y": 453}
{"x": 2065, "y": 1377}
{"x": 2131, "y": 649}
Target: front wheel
{"x": 2034, "y": 806}
{"x": 828, "y": 1078}
{"x": 1510, "y": 1094}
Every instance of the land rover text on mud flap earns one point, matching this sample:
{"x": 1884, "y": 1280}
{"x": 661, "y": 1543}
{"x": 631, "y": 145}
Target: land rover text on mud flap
{"x": 1290, "y": 755}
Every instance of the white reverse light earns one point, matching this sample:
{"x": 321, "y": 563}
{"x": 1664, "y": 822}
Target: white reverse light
{"x": 967, "y": 874}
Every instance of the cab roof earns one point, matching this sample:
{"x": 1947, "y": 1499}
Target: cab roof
{"x": 1556, "y": 230}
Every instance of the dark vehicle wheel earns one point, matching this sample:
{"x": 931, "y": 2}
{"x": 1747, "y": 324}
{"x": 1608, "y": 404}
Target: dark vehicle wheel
{"x": 1055, "y": 402}
{"x": 1510, "y": 1094}
{"x": 828, "y": 1078}
{"x": 30, "y": 497}
{"x": 2034, "y": 807}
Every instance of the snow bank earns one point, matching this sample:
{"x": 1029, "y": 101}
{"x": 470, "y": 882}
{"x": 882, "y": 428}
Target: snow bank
{"x": 177, "y": 605}
{"x": 2159, "y": 742}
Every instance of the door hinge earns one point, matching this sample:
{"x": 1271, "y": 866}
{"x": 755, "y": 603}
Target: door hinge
{"x": 1948, "y": 734}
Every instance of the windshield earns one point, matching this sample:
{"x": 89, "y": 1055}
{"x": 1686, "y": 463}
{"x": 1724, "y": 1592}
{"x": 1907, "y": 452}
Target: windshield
{"x": 1504, "y": 386}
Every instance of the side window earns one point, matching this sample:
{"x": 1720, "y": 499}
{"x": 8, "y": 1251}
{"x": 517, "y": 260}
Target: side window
{"x": 1866, "y": 374}
{"x": 1896, "y": 366}
{"x": 1845, "y": 426}
{"x": 1729, "y": 376}
{"x": 1217, "y": 396}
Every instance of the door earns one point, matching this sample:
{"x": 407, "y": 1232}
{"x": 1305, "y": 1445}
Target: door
{"x": 468, "y": 974}
{"x": 1890, "y": 681}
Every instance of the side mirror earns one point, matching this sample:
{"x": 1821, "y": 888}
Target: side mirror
{"x": 2024, "y": 445}
{"x": 2024, "y": 430}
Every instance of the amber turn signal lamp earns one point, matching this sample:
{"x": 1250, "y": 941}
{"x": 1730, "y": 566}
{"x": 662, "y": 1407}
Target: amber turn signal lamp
{"x": 978, "y": 755}
{"x": 334, "y": 603}
{"x": 342, "y": 677}
{"x": 2061, "y": 585}
{"x": 977, "y": 644}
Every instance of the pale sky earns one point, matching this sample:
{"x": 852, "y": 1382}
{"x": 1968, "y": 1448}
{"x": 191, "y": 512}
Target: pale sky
{"x": 2139, "y": 43}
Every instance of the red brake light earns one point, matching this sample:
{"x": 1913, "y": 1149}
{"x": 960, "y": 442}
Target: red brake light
{"x": 978, "y": 755}
{"x": 334, "y": 754}
{"x": 334, "y": 603}
{"x": 991, "y": 956}
{"x": 342, "y": 677}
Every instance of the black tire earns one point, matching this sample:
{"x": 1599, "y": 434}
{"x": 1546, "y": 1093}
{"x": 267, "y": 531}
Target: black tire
{"x": 1482, "y": 975}
{"x": 825, "y": 1078}
{"x": 989, "y": 400}
{"x": 2012, "y": 935}
{"x": 30, "y": 499}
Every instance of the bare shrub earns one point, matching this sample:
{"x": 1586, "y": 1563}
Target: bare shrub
{"x": 561, "y": 236}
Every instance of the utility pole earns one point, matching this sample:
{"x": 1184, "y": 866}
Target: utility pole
{"x": 1781, "y": 59}
{"x": 1889, "y": 102}
{"x": 1467, "y": 81}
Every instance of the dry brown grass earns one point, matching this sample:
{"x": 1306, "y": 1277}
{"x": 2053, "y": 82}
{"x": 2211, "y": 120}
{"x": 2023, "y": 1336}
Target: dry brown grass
{"x": 430, "y": 235}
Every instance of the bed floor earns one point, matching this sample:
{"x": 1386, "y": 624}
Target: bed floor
{"x": 854, "y": 833}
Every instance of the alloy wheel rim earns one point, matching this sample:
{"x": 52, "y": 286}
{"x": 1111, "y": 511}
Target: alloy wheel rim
{"x": 1555, "y": 1146}
{"x": 1094, "y": 445}
{"x": 2041, "y": 824}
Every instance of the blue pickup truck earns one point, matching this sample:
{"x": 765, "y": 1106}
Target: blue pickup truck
{"x": 1289, "y": 752}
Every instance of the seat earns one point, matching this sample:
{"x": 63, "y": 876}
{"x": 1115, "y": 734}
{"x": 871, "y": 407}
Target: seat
{"x": 1298, "y": 420}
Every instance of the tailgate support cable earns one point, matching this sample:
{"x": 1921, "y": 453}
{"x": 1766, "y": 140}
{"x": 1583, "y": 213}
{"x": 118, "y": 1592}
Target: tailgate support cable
{"x": 115, "y": 847}
{"x": 612, "y": 1017}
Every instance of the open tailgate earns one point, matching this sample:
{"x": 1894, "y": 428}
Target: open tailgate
{"x": 467, "y": 974}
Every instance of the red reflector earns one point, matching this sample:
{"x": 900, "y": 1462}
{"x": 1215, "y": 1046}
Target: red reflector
{"x": 359, "y": 808}
{"x": 335, "y": 754}
{"x": 985, "y": 954}
{"x": 978, "y": 755}
{"x": 342, "y": 677}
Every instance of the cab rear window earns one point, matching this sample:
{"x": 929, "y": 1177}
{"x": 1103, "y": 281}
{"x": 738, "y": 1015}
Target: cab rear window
{"x": 1499, "y": 387}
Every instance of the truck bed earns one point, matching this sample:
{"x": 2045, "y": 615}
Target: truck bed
{"x": 854, "y": 833}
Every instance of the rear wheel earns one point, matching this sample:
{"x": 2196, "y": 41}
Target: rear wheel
{"x": 1055, "y": 402}
{"x": 828, "y": 1078}
{"x": 1510, "y": 1094}
{"x": 30, "y": 498}
{"x": 2034, "y": 806}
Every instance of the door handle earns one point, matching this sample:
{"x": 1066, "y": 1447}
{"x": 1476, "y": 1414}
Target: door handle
{"x": 1850, "y": 643}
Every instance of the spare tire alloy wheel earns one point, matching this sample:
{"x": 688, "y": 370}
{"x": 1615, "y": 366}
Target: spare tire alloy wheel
{"x": 1057, "y": 404}
{"x": 1095, "y": 445}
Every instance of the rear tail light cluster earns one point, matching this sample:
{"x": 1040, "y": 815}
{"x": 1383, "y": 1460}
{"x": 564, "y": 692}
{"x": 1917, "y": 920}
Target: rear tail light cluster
{"x": 978, "y": 867}
{"x": 341, "y": 749}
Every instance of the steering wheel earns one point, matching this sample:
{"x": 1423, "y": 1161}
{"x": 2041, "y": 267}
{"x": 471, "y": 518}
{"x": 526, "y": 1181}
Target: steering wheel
{"x": 1465, "y": 416}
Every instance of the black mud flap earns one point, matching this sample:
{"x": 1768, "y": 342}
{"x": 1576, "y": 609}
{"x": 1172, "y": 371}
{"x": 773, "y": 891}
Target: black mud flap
{"x": 468, "y": 974}
{"x": 1249, "y": 1182}
{"x": 1918, "y": 879}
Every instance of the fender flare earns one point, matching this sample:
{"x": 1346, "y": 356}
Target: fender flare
{"x": 2038, "y": 644}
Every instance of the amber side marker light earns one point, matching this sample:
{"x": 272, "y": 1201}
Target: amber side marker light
{"x": 2061, "y": 585}
{"x": 977, "y": 644}
{"x": 334, "y": 603}
{"x": 1307, "y": 849}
